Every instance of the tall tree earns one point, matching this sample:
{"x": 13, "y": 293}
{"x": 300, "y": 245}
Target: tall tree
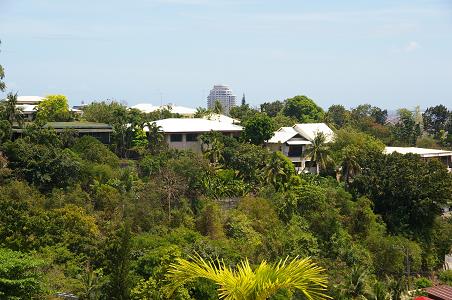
{"x": 304, "y": 109}
{"x": 218, "y": 107}
{"x": 350, "y": 164}
{"x": 10, "y": 111}
{"x": 155, "y": 136}
{"x": 53, "y": 108}
{"x": 379, "y": 115}
{"x": 319, "y": 152}
{"x": 118, "y": 263}
{"x": 337, "y": 115}
{"x": 272, "y": 108}
{"x": 436, "y": 118}
{"x": 242, "y": 112}
{"x": 406, "y": 131}
{"x": 102, "y": 112}
{"x": 279, "y": 170}
{"x": 258, "y": 129}
{"x": 407, "y": 191}
{"x": 266, "y": 280}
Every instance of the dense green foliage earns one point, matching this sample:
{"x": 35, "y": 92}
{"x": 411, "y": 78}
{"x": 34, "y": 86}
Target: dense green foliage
{"x": 108, "y": 221}
{"x": 258, "y": 129}
{"x": 53, "y": 108}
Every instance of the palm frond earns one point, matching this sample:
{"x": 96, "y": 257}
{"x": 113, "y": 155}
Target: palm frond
{"x": 244, "y": 284}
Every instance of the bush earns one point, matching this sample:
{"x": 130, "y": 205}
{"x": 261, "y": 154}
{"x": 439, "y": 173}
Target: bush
{"x": 90, "y": 149}
{"x": 446, "y": 277}
{"x": 422, "y": 282}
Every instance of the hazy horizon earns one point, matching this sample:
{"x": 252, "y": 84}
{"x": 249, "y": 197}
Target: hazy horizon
{"x": 390, "y": 54}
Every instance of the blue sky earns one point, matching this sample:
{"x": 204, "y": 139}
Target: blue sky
{"x": 388, "y": 53}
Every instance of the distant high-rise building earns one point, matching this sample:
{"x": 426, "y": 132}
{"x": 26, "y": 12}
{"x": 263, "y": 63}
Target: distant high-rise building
{"x": 224, "y": 95}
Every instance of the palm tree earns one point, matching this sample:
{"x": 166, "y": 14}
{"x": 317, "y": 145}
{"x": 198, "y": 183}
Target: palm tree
{"x": 11, "y": 112}
{"x": 356, "y": 285}
{"x": 214, "y": 152}
{"x": 276, "y": 171}
{"x": 155, "y": 136}
{"x": 319, "y": 152}
{"x": 244, "y": 283}
{"x": 212, "y": 147}
{"x": 90, "y": 282}
{"x": 218, "y": 107}
{"x": 350, "y": 164}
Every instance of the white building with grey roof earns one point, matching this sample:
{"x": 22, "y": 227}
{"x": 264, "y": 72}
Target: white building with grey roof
{"x": 294, "y": 141}
{"x": 184, "y": 133}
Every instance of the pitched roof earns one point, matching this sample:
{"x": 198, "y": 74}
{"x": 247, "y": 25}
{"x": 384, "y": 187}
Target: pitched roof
{"x": 282, "y": 135}
{"x": 423, "y": 152}
{"x": 307, "y": 131}
{"x": 182, "y": 110}
{"x": 174, "y": 125}
{"x": 77, "y": 125}
{"x": 310, "y": 130}
{"x": 221, "y": 118}
{"x": 29, "y": 99}
{"x": 440, "y": 292}
{"x": 27, "y": 108}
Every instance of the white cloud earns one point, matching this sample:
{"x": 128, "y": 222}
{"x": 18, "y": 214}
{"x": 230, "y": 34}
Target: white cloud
{"x": 411, "y": 46}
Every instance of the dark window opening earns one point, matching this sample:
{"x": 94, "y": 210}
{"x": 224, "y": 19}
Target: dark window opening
{"x": 176, "y": 138}
{"x": 295, "y": 151}
{"x": 192, "y": 137}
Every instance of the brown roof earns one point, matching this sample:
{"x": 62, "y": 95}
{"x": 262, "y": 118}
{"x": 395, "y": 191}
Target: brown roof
{"x": 440, "y": 292}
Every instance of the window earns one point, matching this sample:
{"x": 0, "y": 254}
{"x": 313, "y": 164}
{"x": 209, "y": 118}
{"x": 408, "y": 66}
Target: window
{"x": 295, "y": 151}
{"x": 176, "y": 138}
{"x": 192, "y": 137}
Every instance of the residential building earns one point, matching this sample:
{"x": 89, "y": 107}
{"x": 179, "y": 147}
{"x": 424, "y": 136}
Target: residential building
{"x": 223, "y": 94}
{"x": 294, "y": 141}
{"x": 184, "y": 133}
{"x": 100, "y": 131}
{"x": 444, "y": 156}
{"x": 221, "y": 118}
{"x": 28, "y": 106}
{"x": 180, "y": 110}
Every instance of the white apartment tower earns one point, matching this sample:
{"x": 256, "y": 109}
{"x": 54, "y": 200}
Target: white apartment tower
{"x": 223, "y": 94}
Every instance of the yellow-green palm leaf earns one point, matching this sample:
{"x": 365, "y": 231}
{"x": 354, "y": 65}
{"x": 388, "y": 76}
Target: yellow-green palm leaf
{"x": 244, "y": 283}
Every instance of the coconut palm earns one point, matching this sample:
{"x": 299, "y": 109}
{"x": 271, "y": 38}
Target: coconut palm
{"x": 319, "y": 152}
{"x": 10, "y": 111}
{"x": 244, "y": 283}
{"x": 218, "y": 107}
{"x": 212, "y": 147}
{"x": 277, "y": 171}
{"x": 350, "y": 164}
{"x": 155, "y": 136}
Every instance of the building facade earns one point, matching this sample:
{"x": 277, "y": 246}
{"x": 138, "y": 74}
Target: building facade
{"x": 28, "y": 105}
{"x": 223, "y": 94}
{"x": 184, "y": 133}
{"x": 294, "y": 142}
{"x": 102, "y": 132}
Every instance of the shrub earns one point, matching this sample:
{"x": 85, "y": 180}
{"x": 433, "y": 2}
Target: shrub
{"x": 446, "y": 277}
{"x": 423, "y": 283}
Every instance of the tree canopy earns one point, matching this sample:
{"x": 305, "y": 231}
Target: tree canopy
{"x": 53, "y": 108}
{"x": 304, "y": 109}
